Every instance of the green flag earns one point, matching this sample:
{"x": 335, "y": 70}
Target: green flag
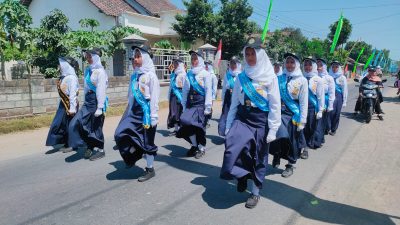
{"x": 337, "y": 33}
{"x": 369, "y": 59}
{"x": 264, "y": 34}
{"x": 358, "y": 57}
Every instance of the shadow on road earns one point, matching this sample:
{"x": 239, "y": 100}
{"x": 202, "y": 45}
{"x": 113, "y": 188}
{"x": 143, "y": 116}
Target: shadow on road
{"x": 395, "y": 99}
{"x": 176, "y": 150}
{"x": 216, "y": 140}
{"x": 164, "y": 133}
{"x": 303, "y": 202}
{"x": 350, "y": 115}
{"x": 121, "y": 173}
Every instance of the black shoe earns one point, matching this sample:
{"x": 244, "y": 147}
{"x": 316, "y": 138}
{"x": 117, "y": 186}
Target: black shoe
{"x": 192, "y": 151}
{"x": 97, "y": 155}
{"x": 148, "y": 174}
{"x": 199, "y": 154}
{"x": 276, "y": 162}
{"x": 242, "y": 184}
{"x": 66, "y": 149}
{"x": 380, "y": 117}
{"x": 288, "y": 171}
{"x": 304, "y": 154}
{"x": 252, "y": 201}
{"x": 332, "y": 133}
{"x": 88, "y": 153}
{"x": 115, "y": 147}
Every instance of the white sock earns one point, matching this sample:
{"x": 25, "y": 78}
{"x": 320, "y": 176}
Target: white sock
{"x": 149, "y": 160}
{"x": 202, "y": 148}
{"x": 176, "y": 127}
{"x": 254, "y": 189}
{"x": 193, "y": 140}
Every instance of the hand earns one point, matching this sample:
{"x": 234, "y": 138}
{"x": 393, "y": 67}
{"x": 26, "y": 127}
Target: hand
{"x": 300, "y": 127}
{"x": 344, "y": 106}
{"x": 319, "y": 115}
{"x": 207, "y": 112}
{"x": 98, "y": 112}
{"x": 330, "y": 109}
{"x": 270, "y": 137}
{"x": 154, "y": 123}
{"x": 226, "y": 131}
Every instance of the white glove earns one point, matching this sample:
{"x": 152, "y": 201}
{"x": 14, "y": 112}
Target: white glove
{"x": 300, "y": 127}
{"x": 154, "y": 122}
{"x": 344, "y": 105}
{"x": 98, "y": 112}
{"x": 72, "y": 112}
{"x": 270, "y": 137}
{"x": 319, "y": 115}
{"x": 226, "y": 131}
{"x": 330, "y": 109}
{"x": 207, "y": 111}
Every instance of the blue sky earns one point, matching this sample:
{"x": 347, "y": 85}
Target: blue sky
{"x": 375, "y": 22}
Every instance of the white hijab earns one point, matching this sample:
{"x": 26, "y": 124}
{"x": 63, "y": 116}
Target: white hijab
{"x": 337, "y": 74}
{"x": 147, "y": 63}
{"x": 210, "y": 69}
{"x": 297, "y": 70}
{"x": 96, "y": 62}
{"x": 200, "y": 67}
{"x": 66, "y": 68}
{"x": 180, "y": 69}
{"x": 324, "y": 70}
{"x": 314, "y": 70}
{"x": 263, "y": 70}
{"x": 237, "y": 71}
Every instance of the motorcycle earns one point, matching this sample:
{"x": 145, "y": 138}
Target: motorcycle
{"x": 369, "y": 96}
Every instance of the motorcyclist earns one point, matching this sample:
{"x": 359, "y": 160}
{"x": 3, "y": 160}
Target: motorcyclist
{"x": 374, "y": 78}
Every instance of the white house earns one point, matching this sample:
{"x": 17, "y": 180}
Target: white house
{"x": 153, "y": 18}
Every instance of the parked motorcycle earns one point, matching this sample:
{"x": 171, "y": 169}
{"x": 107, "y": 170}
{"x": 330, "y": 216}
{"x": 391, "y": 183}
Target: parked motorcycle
{"x": 369, "y": 96}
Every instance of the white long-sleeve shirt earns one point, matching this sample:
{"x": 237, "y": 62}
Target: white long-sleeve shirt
{"x": 270, "y": 91}
{"x": 225, "y": 87}
{"x": 214, "y": 83}
{"x": 316, "y": 86}
{"x": 342, "y": 82}
{"x": 70, "y": 86}
{"x": 298, "y": 90}
{"x": 204, "y": 80}
{"x": 99, "y": 79}
{"x": 149, "y": 86}
{"x": 329, "y": 88}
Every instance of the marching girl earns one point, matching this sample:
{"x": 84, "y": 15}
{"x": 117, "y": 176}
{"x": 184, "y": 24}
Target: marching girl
{"x": 214, "y": 85}
{"x": 136, "y": 131}
{"x": 329, "y": 88}
{"x": 86, "y": 129}
{"x": 235, "y": 68}
{"x": 293, "y": 87}
{"x": 253, "y": 122}
{"x": 196, "y": 103}
{"x": 314, "y": 129}
{"x": 175, "y": 94}
{"x": 68, "y": 88}
{"x": 341, "y": 95}
{"x": 278, "y": 68}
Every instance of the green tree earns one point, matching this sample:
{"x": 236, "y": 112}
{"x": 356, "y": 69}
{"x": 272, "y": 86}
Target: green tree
{"x": 115, "y": 37}
{"x": 87, "y": 22}
{"x": 344, "y": 34}
{"x": 357, "y": 48}
{"x": 164, "y": 44}
{"x": 233, "y": 26}
{"x": 199, "y": 22}
{"x": 14, "y": 23}
{"x": 314, "y": 47}
{"x": 53, "y": 29}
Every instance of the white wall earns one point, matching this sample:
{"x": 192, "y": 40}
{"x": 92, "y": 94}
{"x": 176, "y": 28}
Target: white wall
{"x": 75, "y": 10}
{"x": 152, "y": 25}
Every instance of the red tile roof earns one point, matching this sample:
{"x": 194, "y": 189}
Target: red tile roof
{"x": 117, "y": 7}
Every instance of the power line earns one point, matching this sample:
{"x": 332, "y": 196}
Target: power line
{"x": 344, "y": 8}
{"x": 378, "y": 18}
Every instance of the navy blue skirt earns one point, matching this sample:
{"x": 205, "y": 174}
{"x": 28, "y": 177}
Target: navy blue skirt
{"x": 337, "y": 109}
{"x": 58, "y": 133}
{"x": 246, "y": 150}
{"x": 131, "y": 133}
{"x": 225, "y": 111}
{"x": 193, "y": 121}
{"x": 175, "y": 111}
{"x": 290, "y": 148}
{"x": 85, "y": 129}
{"x": 314, "y": 129}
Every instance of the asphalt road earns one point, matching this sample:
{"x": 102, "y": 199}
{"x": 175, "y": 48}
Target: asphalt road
{"x": 353, "y": 179}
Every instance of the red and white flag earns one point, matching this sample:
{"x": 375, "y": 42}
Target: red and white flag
{"x": 218, "y": 55}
